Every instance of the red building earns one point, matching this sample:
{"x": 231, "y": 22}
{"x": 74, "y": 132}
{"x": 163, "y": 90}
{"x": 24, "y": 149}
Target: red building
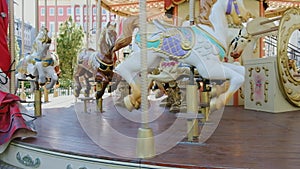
{"x": 52, "y": 16}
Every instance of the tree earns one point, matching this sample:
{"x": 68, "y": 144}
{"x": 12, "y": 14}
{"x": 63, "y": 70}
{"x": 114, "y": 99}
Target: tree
{"x": 69, "y": 43}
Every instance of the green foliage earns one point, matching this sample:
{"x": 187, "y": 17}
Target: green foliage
{"x": 69, "y": 43}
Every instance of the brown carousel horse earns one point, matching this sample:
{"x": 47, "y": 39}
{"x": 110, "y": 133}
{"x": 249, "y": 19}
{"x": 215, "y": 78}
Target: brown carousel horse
{"x": 97, "y": 64}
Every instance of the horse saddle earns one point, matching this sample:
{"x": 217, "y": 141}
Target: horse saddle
{"x": 45, "y": 62}
{"x": 175, "y": 42}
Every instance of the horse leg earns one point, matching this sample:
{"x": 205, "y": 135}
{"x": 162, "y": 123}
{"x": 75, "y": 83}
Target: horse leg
{"x": 129, "y": 69}
{"x": 235, "y": 74}
{"x": 77, "y": 84}
{"x": 52, "y": 74}
{"x": 41, "y": 73}
{"x": 88, "y": 86}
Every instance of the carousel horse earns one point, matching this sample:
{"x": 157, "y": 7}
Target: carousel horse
{"x": 41, "y": 64}
{"x": 200, "y": 45}
{"x": 97, "y": 64}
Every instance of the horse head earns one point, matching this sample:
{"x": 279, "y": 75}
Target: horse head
{"x": 107, "y": 39}
{"x": 239, "y": 43}
{"x": 41, "y": 43}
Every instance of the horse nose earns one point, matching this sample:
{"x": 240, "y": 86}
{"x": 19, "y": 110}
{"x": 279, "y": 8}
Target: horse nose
{"x": 235, "y": 55}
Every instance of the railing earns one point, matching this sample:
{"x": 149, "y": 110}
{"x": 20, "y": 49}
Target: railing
{"x": 271, "y": 48}
{"x": 60, "y": 91}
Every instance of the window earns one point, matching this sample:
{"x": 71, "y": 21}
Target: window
{"x": 69, "y": 11}
{"x": 84, "y": 11}
{"x": 60, "y": 11}
{"x": 77, "y": 11}
{"x": 51, "y": 11}
{"x": 84, "y": 26}
{"x": 52, "y": 27}
{"x": 104, "y": 11}
{"x": 42, "y": 24}
{"x": 94, "y": 28}
{"x": 42, "y": 11}
{"x": 94, "y": 11}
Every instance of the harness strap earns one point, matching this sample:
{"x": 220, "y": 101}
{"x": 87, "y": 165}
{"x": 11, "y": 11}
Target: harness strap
{"x": 104, "y": 66}
{"x": 236, "y": 7}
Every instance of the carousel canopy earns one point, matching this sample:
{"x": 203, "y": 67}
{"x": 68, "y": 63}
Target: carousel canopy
{"x": 277, "y": 7}
{"x": 155, "y": 8}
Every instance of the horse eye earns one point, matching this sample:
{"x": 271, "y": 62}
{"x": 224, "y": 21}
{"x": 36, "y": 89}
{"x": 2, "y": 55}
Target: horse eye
{"x": 242, "y": 40}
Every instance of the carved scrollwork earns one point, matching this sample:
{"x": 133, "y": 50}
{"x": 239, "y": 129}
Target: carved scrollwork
{"x": 28, "y": 161}
{"x": 290, "y": 85}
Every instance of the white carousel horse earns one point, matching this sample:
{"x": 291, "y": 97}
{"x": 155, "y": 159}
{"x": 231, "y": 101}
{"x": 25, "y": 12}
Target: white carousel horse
{"x": 97, "y": 64}
{"x": 40, "y": 64}
{"x": 200, "y": 45}
{"x": 249, "y": 35}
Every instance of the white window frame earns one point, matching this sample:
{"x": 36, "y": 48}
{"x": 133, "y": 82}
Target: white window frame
{"x": 42, "y": 11}
{"x": 52, "y": 27}
{"x": 77, "y": 10}
{"x": 42, "y": 24}
{"x": 60, "y": 11}
{"x": 69, "y": 11}
{"x": 95, "y": 10}
{"x": 51, "y": 11}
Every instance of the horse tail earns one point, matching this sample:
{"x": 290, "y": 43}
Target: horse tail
{"x": 125, "y": 38}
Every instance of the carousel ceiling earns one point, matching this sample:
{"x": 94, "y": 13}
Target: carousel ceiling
{"x": 277, "y": 7}
{"x": 155, "y": 8}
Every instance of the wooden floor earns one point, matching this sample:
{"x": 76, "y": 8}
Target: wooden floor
{"x": 243, "y": 138}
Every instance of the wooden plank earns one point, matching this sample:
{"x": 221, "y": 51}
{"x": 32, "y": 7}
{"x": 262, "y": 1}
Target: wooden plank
{"x": 243, "y": 139}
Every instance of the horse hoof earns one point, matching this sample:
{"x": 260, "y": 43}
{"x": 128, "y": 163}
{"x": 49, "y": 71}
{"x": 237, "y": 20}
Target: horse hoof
{"x": 213, "y": 106}
{"x": 128, "y": 103}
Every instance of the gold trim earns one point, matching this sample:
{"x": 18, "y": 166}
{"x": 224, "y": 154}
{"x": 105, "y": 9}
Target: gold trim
{"x": 266, "y": 91}
{"x": 250, "y": 71}
{"x": 106, "y": 64}
{"x": 288, "y": 83}
{"x": 252, "y": 90}
{"x": 257, "y": 69}
{"x": 266, "y": 70}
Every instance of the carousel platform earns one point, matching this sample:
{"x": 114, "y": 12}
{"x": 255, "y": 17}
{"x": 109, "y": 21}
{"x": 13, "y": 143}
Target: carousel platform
{"x": 242, "y": 139}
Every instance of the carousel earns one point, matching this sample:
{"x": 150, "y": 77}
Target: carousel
{"x": 214, "y": 87}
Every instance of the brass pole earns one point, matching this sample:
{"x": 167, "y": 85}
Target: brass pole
{"x": 12, "y": 45}
{"x": 37, "y": 26}
{"x": 145, "y": 138}
{"x": 37, "y": 92}
{"x": 23, "y": 94}
{"x": 46, "y": 14}
{"x": 99, "y": 23}
{"x": 87, "y": 23}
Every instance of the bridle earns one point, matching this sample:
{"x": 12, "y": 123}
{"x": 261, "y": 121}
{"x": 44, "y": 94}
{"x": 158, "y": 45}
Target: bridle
{"x": 237, "y": 38}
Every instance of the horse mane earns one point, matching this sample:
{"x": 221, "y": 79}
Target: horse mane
{"x": 205, "y": 10}
{"x": 103, "y": 46}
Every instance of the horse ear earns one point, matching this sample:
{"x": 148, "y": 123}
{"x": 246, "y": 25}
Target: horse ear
{"x": 108, "y": 24}
{"x": 240, "y": 32}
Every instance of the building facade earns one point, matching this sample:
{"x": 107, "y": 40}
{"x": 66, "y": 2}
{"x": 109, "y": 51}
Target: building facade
{"x": 52, "y": 14}
{"x": 29, "y": 36}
